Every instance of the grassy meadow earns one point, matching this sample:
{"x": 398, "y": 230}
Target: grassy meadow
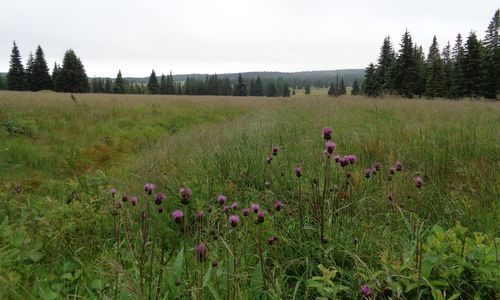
{"x": 63, "y": 234}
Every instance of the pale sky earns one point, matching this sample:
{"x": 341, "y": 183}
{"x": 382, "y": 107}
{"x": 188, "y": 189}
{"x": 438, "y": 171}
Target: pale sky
{"x": 221, "y": 36}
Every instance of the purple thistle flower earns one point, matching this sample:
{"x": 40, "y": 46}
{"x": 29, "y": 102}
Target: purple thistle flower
{"x": 124, "y": 198}
{"x": 327, "y": 133}
{"x": 159, "y": 198}
{"x": 278, "y": 205}
{"x": 330, "y": 146}
{"x": 210, "y": 208}
{"x": 399, "y": 166}
{"x": 234, "y": 219}
{"x": 246, "y": 211}
{"x": 276, "y": 149}
{"x": 390, "y": 197}
{"x": 113, "y": 192}
{"x": 269, "y": 159}
{"x": 133, "y": 200}
{"x": 343, "y": 161}
{"x": 200, "y": 215}
{"x": 272, "y": 240}
{"x": 222, "y": 199}
{"x": 234, "y": 205}
{"x": 336, "y": 158}
{"x": 419, "y": 182}
{"x": 202, "y": 252}
{"x": 368, "y": 172}
{"x": 255, "y": 207}
{"x": 161, "y": 209}
{"x": 298, "y": 171}
{"x": 185, "y": 195}
{"x": 149, "y": 188}
{"x": 377, "y": 166}
{"x": 392, "y": 170}
{"x": 366, "y": 291}
{"x": 177, "y": 215}
{"x": 226, "y": 209}
{"x": 260, "y": 216}
{"x": 351, "y": 158}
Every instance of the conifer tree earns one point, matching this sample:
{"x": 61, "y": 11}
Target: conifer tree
{"x": 163, "y": 84}
{"x": 16, "y": 79}
{"x": 405, "y": 70}
{"x": 119, "y": 84}
{"x": 29, "y": 72}
{"x": 457, "y": 88}
{"x": 153, "y": 86}
{"x": 251, "y": 87}
{"x": 419, "y": 58}
{"x": 72, "y": 77}
{"x": 108, "y": 86}
{"x": 434, "y": 84}
{"x": 370, "y": 84}
{"x": 271, "y": 89}
{"x": 331, "y": 90}
{"x": 171, "y": 90}
{"x": 240, "y": 88}
{"x": 307, "y": 90}
{"x": 355, "y": 88}
{"x": 473, "y": 66}
{"x": 286, "y": 90}
{"x": 385, "y": 65}
{"x": 447, "y": 70}
{"x": 293, "y": 91}
{"x": 492, "y": 57}
{"x": 41, "y": 79}
{"x": 2, "y": 83}
{"x": 259, "y": 87}
{"x": 342, "y": 89}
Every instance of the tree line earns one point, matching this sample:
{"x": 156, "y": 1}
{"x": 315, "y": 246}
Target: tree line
{"x": 470, "y": 69}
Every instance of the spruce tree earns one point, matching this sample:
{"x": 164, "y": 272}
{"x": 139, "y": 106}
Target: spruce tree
{"x": 405, "y": 70}
{"x": 342, "y": 89}
{"x": 370, "y": 84}
{"x": 434, "y": 73}
{"x": 385, "y": 65}
{"x": 473, "y": 66}
{"x": 331, "y": 90}
{"x": 108, "y": 86}
{"x": 72, "y": 77}
{"x": 163, "y": 84}
{"x": 2, "y": 83}
{"x": 419, "y": 83}
{"x": 16, "y": 79}
{"x": 271, "y": 89}
{"x": 259, "y": 87}
{"x": 293, "y": 91}
{"x": 251, "y": 87}
{"x": 29, "y": 72}
{"x": 171, "y": 89}
{"x": 492, "y": 57}
{"x": 41, "y": 79}
{"x": 286, "y": 90}
{"x": 153, "y": 86}
{"x": 307, "y": 90}
{"x": 240, "y": 88}
{"x": 457, "y": 88}
{"x": 355, "y": 88}
{"x": 447, "y": 70}
{"x": 119, "y": 84}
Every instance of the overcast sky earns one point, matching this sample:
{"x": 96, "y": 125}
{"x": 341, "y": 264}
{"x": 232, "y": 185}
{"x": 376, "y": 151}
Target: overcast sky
{"x": 220, "y": 36}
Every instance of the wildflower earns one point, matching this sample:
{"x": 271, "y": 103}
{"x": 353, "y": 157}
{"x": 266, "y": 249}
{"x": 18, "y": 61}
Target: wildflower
{"x": 389, "y": 177}
{"x": 200, "y": 215}
{"x": 368, "y": 172}
{"x": 419, "y": 182}
{"x": 222, "y": 199}
{"x": 234, "y": 219}
{"x": 377, "y": 166}
{"x": 399, "y": 166}
{"x": 390, "y": 197}
{"x": 210, "y": 208}
{"x": 202, "y": 252}
{"x": 298, "y": 171}
{"x": 366, "y": 291}
{"x": 392, "y": 170}
{"x": 234, "y": 205}
{"x": 351, "y": 158}
{"x": 260, "y": 216}
{"x": 255, "y": 207}
{"x": 113, "y": 191}
{"x": 177, "y": 215}
{"x": 330, "y": 147}
{"x": 327, "y": 133}
{"x": 161, "y": 209}
{"x": 149, "y": 188}
{"x": 177, "y": 281}
{"x": 124, "y": 198}
{"x": 226, "y": 209}
{"x": 272, "y": 240}
{"x": 269, "y": 159}
{"x": 276, "y": 149}
{"x": 278, "y": 205}
{"x": 133, "y": 200}
{"x": 185, "y": 195}
{"x": 336, "y": 158}
{"x": 159, "y": 198}
{"x": 246, "y": 211}
{"x": 343, "y": 161}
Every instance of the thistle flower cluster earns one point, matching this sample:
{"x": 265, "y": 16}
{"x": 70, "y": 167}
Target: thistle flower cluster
{"x": 149, "y": 188}
{"x": 185, "y": 195}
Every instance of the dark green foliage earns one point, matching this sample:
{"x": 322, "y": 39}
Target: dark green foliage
{"x": 355, "y": 88}
{"x": 170, "y": 85}
{"x": 405, "y": 69}
{"x": 29, "y": 71}
{"x": 240, "y": 89}
{"x": 385, "y": 65}
{"x": 447, "y": 70}
{"x": 286, "y": 90}
{"x": 256, "y": 87}
{"x": 108, "y": 86}
{"x": 153, "y": 86}
{"x": 163, "y": 84}
{"x": 307, "y": 90}
{"x": 342, "y": 89}
{"x": 474, "y": 75}
{"x": 293, "y": 91}
{"x": 16, "y": 80}
{"x": 492, "y": 57}
{"x": 332, "y": 91}
{"x": 71, "y": 77}
{"x": 434, "y": 73}
{"x": 40, "y": 77}
{"x": 2, "y": 83}
{"x": 119, "y": 84}
{"x": 271, "y": 90}
{"x": 457, "y": 88}
{"x": 371, "y": 86}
